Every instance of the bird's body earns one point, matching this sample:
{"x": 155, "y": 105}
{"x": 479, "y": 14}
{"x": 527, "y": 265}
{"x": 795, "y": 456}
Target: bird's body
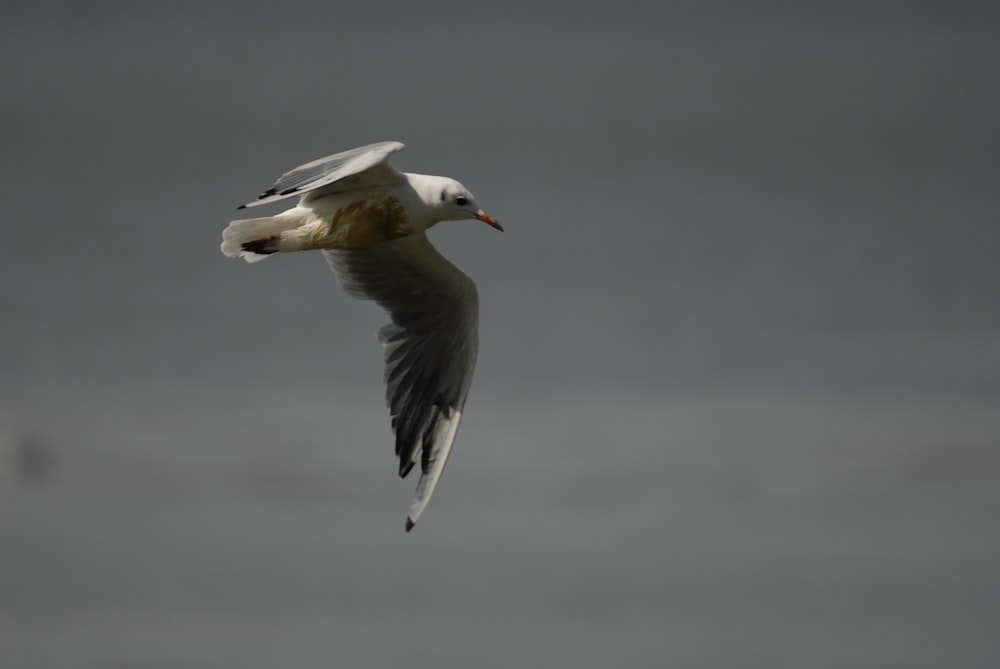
{"x": 370, "y": 221}
{"x": 344, "y": 218}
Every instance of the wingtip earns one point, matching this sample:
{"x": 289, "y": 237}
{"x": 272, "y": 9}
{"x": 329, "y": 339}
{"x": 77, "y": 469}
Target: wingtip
{"x": 409, "y": 524}
{"x": 242, "y": 206}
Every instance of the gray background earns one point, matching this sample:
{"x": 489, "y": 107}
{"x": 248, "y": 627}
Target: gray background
{"x": 737, "y": 400}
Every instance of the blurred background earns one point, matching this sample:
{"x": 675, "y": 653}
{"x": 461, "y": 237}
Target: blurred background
{"x": 738, "y": 396}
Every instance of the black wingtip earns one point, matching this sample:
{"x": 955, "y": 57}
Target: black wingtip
{"x": 242, "y": 206}
{"x": 409, "y": 524}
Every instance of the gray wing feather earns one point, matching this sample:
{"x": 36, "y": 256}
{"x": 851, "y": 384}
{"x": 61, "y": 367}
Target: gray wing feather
{"x": 363, "y": 166}
{"x": 429, "y": 347}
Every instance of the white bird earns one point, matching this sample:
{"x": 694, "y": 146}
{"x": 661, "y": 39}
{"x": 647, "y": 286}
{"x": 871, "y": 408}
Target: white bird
{"x": 369, "y": 219}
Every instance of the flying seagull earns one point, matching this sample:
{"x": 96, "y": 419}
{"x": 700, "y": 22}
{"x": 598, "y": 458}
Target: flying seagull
{"x": 370, "y": 221}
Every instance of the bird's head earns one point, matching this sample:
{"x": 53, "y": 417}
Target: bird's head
{"x": 452, "y": 201}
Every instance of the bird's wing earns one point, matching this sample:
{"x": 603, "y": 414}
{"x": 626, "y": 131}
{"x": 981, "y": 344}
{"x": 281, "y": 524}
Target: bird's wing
{"x": 429, "y": 347}
{"x": 356, "y": 168}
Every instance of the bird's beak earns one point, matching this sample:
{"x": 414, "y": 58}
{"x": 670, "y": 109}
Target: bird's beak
{"x": 489, "y": 220}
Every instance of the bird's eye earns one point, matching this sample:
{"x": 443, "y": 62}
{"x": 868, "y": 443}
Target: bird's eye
{"x": 461, "y": 200}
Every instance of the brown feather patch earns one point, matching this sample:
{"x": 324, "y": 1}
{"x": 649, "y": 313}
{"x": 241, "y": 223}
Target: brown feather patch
{"x": 375, "y": 219}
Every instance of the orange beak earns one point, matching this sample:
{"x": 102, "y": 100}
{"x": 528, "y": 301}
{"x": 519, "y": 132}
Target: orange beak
{"x": 489, "y": 220}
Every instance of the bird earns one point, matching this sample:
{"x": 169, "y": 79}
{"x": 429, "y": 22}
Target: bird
{"x": 370, "y": 220}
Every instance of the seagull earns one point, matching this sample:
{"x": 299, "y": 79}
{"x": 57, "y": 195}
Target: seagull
{"x": 370, "y": 221}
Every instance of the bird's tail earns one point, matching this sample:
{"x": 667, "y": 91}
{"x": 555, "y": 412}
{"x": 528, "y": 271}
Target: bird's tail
{"x": 254, "y": 239}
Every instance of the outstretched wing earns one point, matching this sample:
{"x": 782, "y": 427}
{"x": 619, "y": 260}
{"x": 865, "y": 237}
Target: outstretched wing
{"x": 429, "y": 347}
{"x": 356, "y": 168}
